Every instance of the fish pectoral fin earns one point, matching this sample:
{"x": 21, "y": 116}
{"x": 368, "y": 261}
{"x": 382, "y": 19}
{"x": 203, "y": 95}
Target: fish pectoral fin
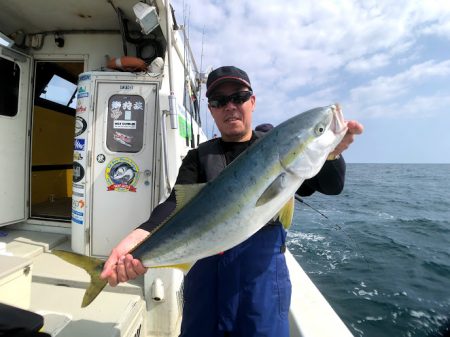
{"x": 273, "y": 190}
{"x": 184, "y": 267}
{"x": 185, "y": 193}
{"x": 92, "y": 266}
{"x": 287, "y": 213}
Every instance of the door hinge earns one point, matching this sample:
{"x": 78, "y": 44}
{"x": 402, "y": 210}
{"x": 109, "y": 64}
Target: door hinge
{"x": 89, "y": 159}
{"x": 87, "y": 235}
{"x": 92, "y": 104}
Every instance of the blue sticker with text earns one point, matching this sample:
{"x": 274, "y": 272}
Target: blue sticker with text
{"x": 77, "y": 213}
{"x": 79, "y": 144}
{"x": 78, "y": 221}
{"x": 84, "y": 77}
{"x": 82, "y": 92}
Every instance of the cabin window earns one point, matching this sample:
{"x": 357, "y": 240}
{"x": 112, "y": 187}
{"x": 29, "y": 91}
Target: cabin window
{"x": 60, "y": 91}
{"x": 125, "y": 128}
{"x": 9, "y": 88}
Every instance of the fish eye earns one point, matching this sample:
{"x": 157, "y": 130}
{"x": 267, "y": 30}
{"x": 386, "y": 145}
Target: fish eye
{"x": 320, "y": 129}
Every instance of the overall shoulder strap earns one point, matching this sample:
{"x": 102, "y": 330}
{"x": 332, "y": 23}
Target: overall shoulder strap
{"x": 212, "y": 159}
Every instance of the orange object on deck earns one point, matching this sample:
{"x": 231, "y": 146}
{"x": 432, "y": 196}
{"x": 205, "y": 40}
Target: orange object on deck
{"x": 127, "y": 63}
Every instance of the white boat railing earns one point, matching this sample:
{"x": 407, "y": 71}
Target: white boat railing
{"x": 310, "y": 314}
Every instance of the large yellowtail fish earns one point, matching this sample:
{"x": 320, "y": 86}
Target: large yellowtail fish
{"x": 261, "y": 183}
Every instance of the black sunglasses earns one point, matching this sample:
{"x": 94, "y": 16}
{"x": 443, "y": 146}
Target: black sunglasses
{"x": 237, "y": 98}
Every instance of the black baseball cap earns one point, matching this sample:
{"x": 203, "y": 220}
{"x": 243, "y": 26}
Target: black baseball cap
{"x": 226, "y": 74}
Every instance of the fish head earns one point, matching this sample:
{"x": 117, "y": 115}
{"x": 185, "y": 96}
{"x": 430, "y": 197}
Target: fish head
{"x": 309, "y": 138}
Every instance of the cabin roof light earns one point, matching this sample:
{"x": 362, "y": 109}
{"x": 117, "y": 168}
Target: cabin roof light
{"x": 146, "y": 16}
{"x": 5, "y": 41}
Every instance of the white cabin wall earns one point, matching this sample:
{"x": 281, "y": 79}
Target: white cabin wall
{"x": 92, "y": 48}
{"x": 176, "y": 148}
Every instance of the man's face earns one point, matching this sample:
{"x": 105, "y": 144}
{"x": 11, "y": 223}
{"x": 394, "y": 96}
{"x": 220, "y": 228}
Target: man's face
{"x": 234, "y": 120}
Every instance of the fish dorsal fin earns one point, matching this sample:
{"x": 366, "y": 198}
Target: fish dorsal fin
{"x": 286, "y": 213}
{"x": 273, "y": 190}
{"x": 185, "y": 193}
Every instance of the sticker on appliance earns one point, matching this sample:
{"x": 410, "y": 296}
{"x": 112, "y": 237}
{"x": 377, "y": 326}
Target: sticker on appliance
{"x": 101, "y": 158}
{"x": 85, "y": 77}
{"x": 121, "y": 175}
{"x": 77, "y": 203}
{"x": 76, "y": 220}
{"x": 123, "y": 138}
{"x": 77, "y": 156}
{"x": 78, "y": 186}
{"x": 78, "y": 172}
{"x": 77, "y": 210}
{"x": 80, "y": 108}
{"x": 115, "y": 114}
{"x": 82, "y": 92}
{"x": 79, "y": 144}
{"x": 74, "y": 211}
{"x": 78, "y": 194}
{"x": 80, "y": 126}
{"x": 122, "y": 124}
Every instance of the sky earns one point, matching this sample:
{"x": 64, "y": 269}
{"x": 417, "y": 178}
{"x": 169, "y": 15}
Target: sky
{"x": 387, "y": 63}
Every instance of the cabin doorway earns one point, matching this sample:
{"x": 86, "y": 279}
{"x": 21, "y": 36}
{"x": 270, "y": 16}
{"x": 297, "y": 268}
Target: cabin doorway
{"x": 53, "y": 125}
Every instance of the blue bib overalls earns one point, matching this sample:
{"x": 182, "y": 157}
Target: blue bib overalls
{"x": 244, "y": 292}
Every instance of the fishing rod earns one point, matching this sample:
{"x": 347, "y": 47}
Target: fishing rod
{"x": 299, "y": 199}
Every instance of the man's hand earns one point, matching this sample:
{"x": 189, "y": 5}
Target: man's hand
{"x": 354, "y": 128}
{"x": 121, "y": 266}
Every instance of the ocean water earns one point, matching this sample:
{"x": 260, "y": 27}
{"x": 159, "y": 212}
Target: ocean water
{"x": 382, "y": 259}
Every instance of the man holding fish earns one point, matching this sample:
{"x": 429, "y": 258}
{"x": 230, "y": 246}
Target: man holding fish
{"x": 244, "y": 289}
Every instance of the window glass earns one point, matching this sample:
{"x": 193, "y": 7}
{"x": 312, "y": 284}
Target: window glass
{"x": 9, "y": 87}
{"x": 125, "y": 126}
{"x": 59, "y": 90}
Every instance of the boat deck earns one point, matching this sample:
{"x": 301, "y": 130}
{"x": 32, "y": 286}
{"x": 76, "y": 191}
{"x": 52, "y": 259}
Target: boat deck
{"x": 57, "y": 289}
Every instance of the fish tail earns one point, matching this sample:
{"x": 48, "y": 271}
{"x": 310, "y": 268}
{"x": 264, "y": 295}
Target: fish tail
{"x": 92, "y": 266}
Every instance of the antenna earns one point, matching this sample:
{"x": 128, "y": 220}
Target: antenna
{"x": 201, "y": 79}
{"x": 191, "y": 102}
{"x": 186, "y": 76}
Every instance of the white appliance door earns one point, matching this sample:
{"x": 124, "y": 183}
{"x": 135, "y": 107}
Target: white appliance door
{"x": 122, "y": 161}
{"x": 15, "y": 78}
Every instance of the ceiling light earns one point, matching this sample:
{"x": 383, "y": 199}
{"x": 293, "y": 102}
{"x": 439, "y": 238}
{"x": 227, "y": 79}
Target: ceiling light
{"x": 5, "y": 41}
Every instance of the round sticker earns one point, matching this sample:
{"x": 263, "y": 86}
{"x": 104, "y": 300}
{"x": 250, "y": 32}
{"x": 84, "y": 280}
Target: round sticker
{"x": 101, "y": 158}
{"x": 121, "y": 175}
{"x": 80, "y": 125}
{"x": 78, "y": 172}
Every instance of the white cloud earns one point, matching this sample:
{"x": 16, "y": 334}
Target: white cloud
{"x": 301, "y": 54}
{"x": 384, "y": 88}
{"x": 310, "y": 39}
{"x": 421, "y": 107}
{"x": 368, "y": 64}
